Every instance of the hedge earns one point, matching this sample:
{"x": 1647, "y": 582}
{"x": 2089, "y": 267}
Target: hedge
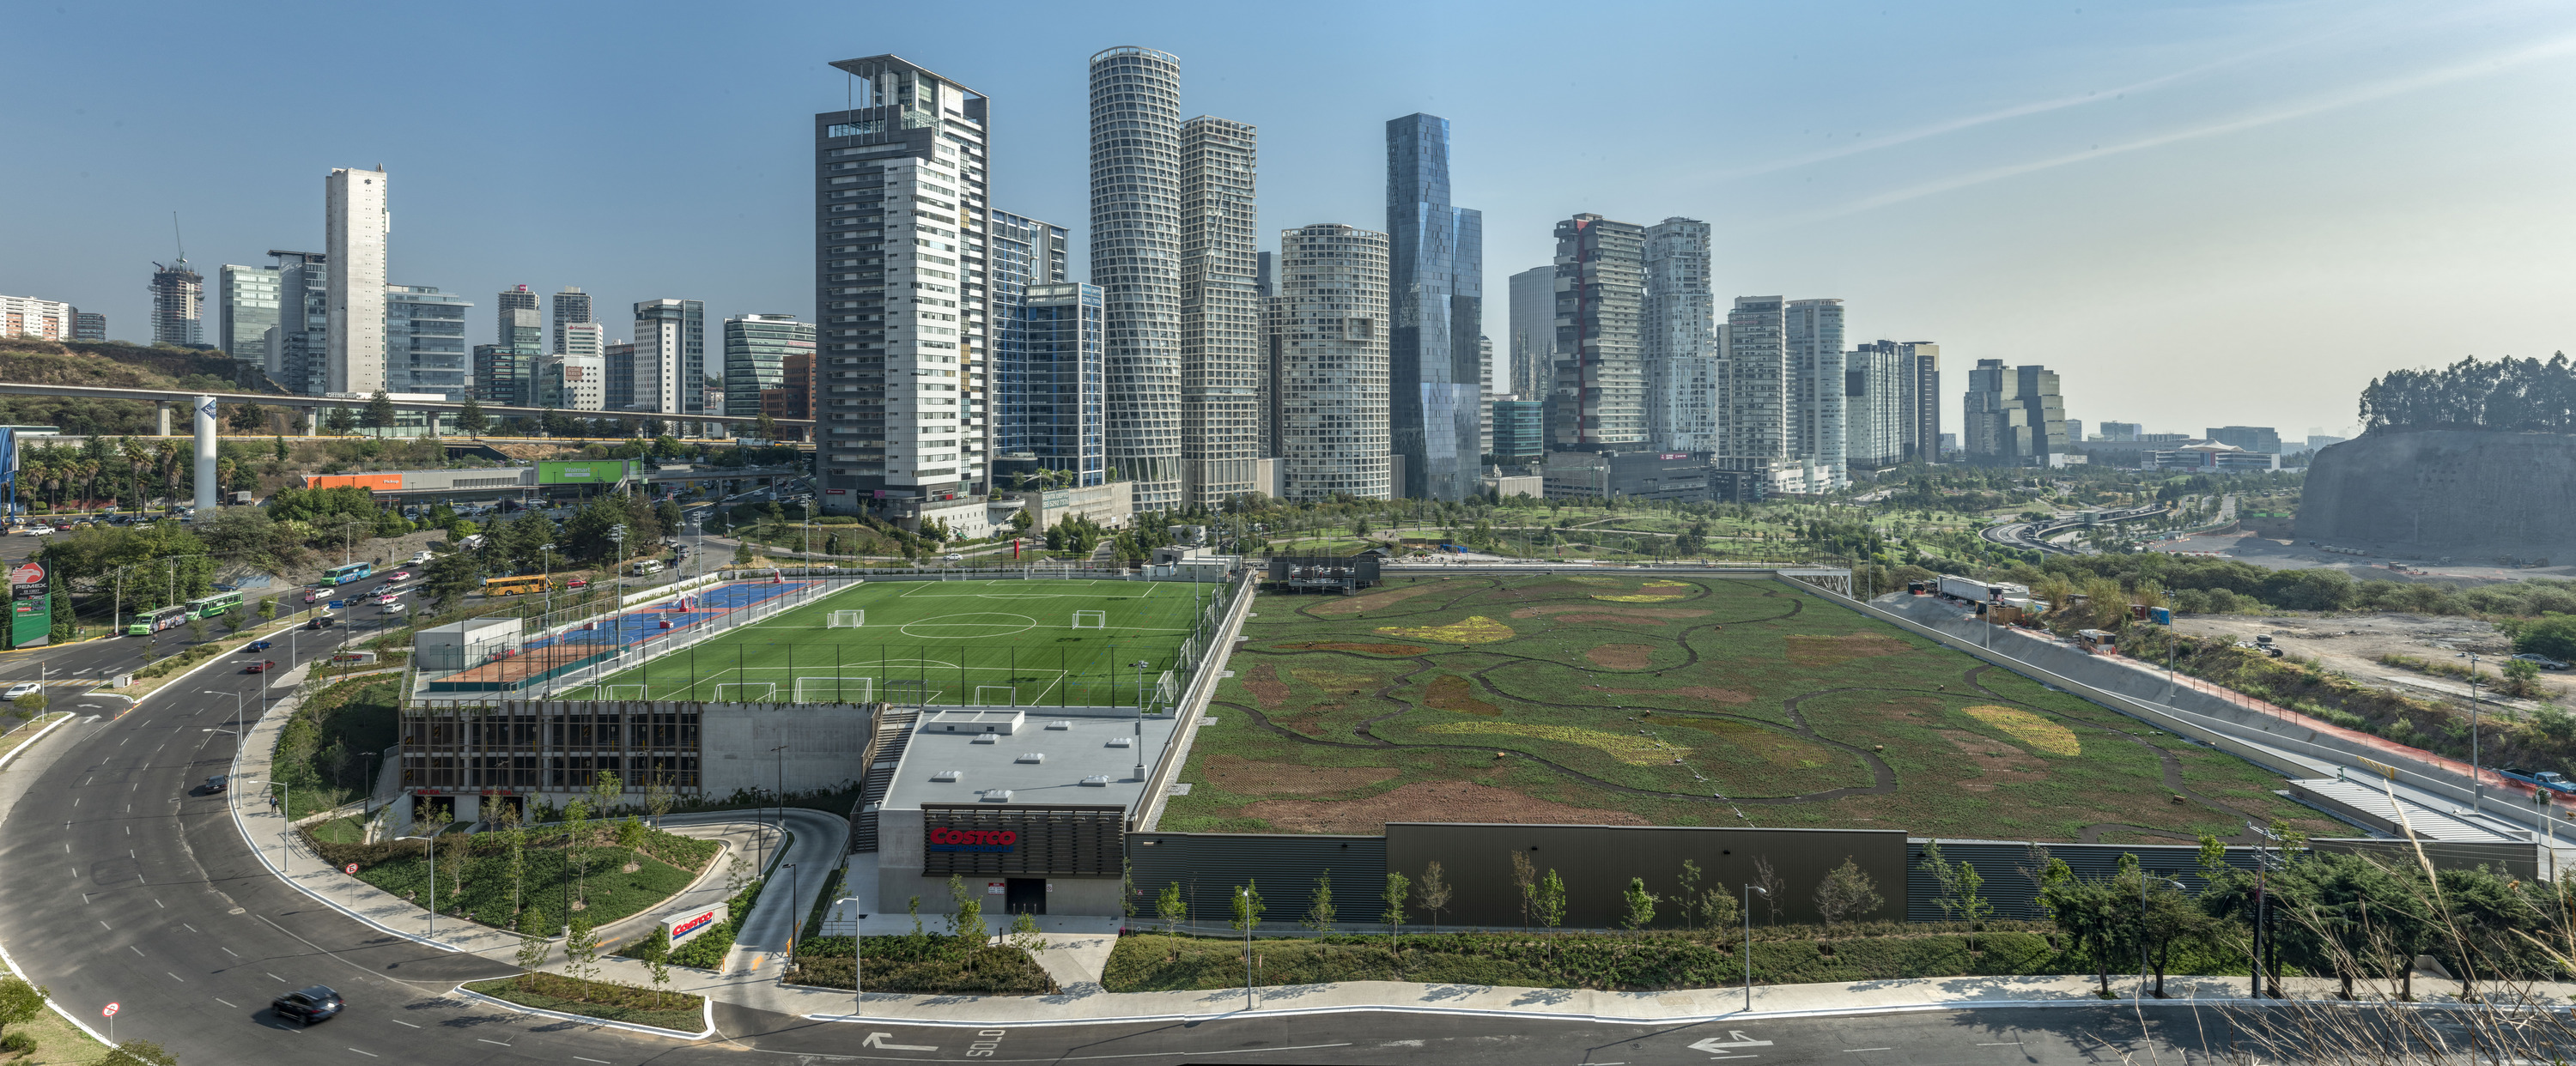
{"x": 927, "y": 964}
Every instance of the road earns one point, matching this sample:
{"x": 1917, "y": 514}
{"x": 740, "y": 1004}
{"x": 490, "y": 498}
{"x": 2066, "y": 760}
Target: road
{"x": 2033, "y": 536}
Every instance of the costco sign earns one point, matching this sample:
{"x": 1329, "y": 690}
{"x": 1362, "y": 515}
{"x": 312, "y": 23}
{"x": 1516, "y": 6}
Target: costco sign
{"x": 946, "y": 839}
{"x": 691, "y": 922}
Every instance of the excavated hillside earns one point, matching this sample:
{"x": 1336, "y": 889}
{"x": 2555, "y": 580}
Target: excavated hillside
{"x": 112, "y": 366}
{"x": 2464, "y": 494}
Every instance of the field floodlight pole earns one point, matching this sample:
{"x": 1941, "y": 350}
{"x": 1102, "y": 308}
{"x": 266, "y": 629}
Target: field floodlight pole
{"x": 2477, "y": 782}
{"x": 1140, "y": 665}
{"x": 545, "y": 555}
{"x": 1749, "y": 889}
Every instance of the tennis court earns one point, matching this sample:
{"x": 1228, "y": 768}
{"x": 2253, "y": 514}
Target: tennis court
{"x": 1025, "y": 643}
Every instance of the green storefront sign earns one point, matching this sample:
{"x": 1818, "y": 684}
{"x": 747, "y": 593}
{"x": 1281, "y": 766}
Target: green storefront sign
{"x": 31, "y": 606}
{"x": 584, "y": 472}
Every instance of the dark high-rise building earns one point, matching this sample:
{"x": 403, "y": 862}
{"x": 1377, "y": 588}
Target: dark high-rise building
{"x": 1020, "y": 252}
{"x": 572, "y": 308}
{"x": 1049, "y": 408}
{"x": 89, "y": 326}
{"x": 178, "y": 305}
{"x": 297, "y": 356}
{"x": 1600, "y": 340}
{"x": 2014, "y": 416}
{"x": 1436, "y": 293}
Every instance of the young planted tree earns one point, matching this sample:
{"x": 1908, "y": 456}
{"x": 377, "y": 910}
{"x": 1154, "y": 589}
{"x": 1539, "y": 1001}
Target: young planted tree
{"x": 966, "y": 925}
{"x": 1962, "y": 897}
{"x": 1548, "y": 900}
{"x": 514, "y": 842}
{"x": 1524, "y": 879}
{"x": 576, "y": 828}
{"x": 1774, "y": 887}
{"x": 1433, "y": 891}
{"x": 1393, "y": 896}
{"x": 2090, "y": 911}
{"x": 655, "y": 954}
{"x": 1319, "y": 915}
{"x": 1173, "y": 910}
{"x": 581, "y": 952}
{"x": 606, "y": 789}
{"x": 453, "y": 849}
{"x": 659, "y": 796}
{"x": 533, "y": 946}
{"x": 1639, "y": 911}
{"x": 1688, "y": 898}
{"x": 1247, "y": 905}
{"x": 631, "y": 835}
{"x": 1025, "y": 934}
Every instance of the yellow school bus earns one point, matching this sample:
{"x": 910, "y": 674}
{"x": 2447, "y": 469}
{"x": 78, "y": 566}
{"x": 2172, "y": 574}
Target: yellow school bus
{"x": 514, "y": 586}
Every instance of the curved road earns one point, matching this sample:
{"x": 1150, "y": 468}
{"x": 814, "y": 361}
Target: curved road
{"x": 128, "y": 888}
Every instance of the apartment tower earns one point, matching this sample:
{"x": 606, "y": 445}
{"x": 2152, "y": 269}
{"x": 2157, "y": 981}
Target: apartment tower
{"x": 899, "y": 205}
{"x": 1600, "y": 303}
{"x": 1136, "y": 261}
{"x": 1436, "y": 270}
{"x": 670, "y": 357}
{"x": 1681, "y": 339}
{"x": 178, "y": 304}
{"x": 1220, "y": 311}
{"x": 571, "y": 308}
{"x": 1813, "y": 344}
{"x": 355, "y": 224}
{"x": 1332, "y": 320}
{"x": 1873, "y": 405}
{"x": 1754, "y": 428}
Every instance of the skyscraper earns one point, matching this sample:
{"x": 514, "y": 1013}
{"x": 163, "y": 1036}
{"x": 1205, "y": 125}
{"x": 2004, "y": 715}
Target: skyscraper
{"x": 899, "y": 201}
{"x": 297, "y": 353}
{"x": 178, "y": 304}
{"x": 1136, "y": 261}
{"x": 577, "y": 377}
{"x": 1436, "y": 270}
{"x": 355, "y": 225}
{"x": 670, "y": 356}
{"x": 572, "y": 308}
{"x": 1600, "y": 303}
{"x": 1873, "y": 405}
{"x": 1681, "y": 339}
{"x": 756, "y": 349}
{"x": 1532, "y": 339}
{"x": 1019, "y": 252}
{"x": 1333, "y": 324}
{"x": 1755, "y": 427}
{"x": 2014, "y": 415}
{"x": 425, "y": 350}
{"x": 1920, "y": 401}
{"x": 1813, "y": 346}
{"x": 1049, "y": 410}
{"x": 246, "y": 306}
{"x": 1220, "y": 311}
{"x": 89, "y": 326}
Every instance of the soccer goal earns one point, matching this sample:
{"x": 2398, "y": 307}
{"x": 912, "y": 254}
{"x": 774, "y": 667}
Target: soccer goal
{"x": 746, "y": 691}
{"x": 622, "y": 692}
{"x": 997, "y": 695}
{"x": 847, "y": 620}
{"x": 1090, "y": 619}
{"x": 836, "y": 690}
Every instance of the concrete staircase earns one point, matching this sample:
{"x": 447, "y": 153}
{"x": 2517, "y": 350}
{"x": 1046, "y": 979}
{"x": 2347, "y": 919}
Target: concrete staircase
{"x": 894, "y": 731}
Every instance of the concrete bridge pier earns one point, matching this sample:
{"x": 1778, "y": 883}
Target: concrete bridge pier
{"x": 161, "y": 418}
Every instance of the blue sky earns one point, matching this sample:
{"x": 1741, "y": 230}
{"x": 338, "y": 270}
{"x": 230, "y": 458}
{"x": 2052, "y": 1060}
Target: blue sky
{"x": 2199, "y": 214}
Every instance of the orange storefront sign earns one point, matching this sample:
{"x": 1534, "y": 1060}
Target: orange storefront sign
{"x": 371, "y": 482}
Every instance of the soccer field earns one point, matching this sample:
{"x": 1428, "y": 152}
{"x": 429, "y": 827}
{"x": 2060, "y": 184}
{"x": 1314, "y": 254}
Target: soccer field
{"x": 983, "y": 643}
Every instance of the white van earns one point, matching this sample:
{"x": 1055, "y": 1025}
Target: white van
{"x": 648, "y": 566}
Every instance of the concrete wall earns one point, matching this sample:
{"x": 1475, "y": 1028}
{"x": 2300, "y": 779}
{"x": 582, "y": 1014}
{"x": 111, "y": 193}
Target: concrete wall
{"x": 2445, "y": 492}
{"x": 826, "y": 742}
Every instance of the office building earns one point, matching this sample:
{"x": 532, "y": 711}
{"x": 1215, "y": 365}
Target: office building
{"x": 518, "y": 322}
{"x": 1643, "y": 475}
{"x": 178, "y": 305}
{"x": 617, "y": 377}
{"x": 2124, "y": 431}
{"x": 424, "y": 345}
{"x": 1873, "y": 406}
{"x": 355, "y": 226}
{"x": 1520, "y": 432}
{"x": 2250, "y": 438}
{"x": 1754, "y": 430}
{"x": 571, "y": 308}
{"x": 1919, "y": 399}
{"x": 1436, "y": 270}
{"x": 1485, "y": 397}
{"x": 2317, "y": 442}
{"x": 1531, "y": 337}
{"x": 900, "y": 199}
{"x": 578, "y": 379}
{"x": 2013, "y": 416}
{"x": 756, "y": 348}
{"x": 1681, "y": 338}
{"x": 1600, "y": 388}
{"x": 1136, "y": 261}
{"x": 89, "y": 326}
{"x": 670, "y": 357}
{"x": 297, "y": 352}
{"x": 1050, "y": 405}
{"x": 1333, "y": 323}
{"x": 245, "y": 309}
{"x": 1813, "y": 341}
{"x": 1019, "y": 252}
{"x": 1220, "y": 312}
{"x": 793, "y": 395}
{"x": 26, "y": 316}
{"x": 2074, "y": 431}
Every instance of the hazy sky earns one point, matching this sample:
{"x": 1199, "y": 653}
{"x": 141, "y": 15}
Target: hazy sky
{"x": 2198, "y": 214}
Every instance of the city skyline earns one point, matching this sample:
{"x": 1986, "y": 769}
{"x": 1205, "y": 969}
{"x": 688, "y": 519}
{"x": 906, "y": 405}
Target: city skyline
{"x": 2139, "y": 175}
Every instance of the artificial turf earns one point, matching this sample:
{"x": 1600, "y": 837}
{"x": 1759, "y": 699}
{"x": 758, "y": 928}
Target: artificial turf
{"x": 980, "y": 642}
{"x": 1672, "y": 701}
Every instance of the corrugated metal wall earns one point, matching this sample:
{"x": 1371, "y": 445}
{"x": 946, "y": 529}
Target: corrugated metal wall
{"x": 1208, "y": 866}
{"x": 2015, "y": 896}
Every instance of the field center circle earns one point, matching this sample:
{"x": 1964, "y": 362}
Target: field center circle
{"x": 969, "y": 626}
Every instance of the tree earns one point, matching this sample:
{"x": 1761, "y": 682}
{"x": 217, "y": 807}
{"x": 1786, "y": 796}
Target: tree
{"x": 533, "y": 946}
{"x": 1774, "y": 887}
{"x": 581, "y": 953}
{"x": 2089, "y": 911}
{"x": 1248, "y": 905}
{"x": 20, "y": 1002}
{"x": 765, "y": 427}
{"x": 448, "y": 578}
{"x": 631, "y": 835}
{"x": 605, "y": 790}
{"x": 655, "y": 954}
{"x": 1025, "y": 934}
{"x": 742, "y": 553}
{"x": 380, "y": 412}
{"x": 1434, "y": 892}
{"x": 576, "y": 826}
{"x": 139, "y": 1053}
{"x": 1394, "y": 894}
{"x": 966, "y": 924}
{"x": 514, "y": 842}
{"x": 659, "y": 796}
{"x": 1640, "y": 906}
{"x": 30, "y": 705}
{"x": 1320, "y": 915}
{"x": 1962, "y": 896}
{"x": 452, "y": 862}
{"x": 470, "y": 420}
{"x": 1525, "y": 879}
{"x": 247, "y": 417}
{"x": 63, "y": 630}
{"x": 1172, "y": 909}
{"x": 1549, "y": 901}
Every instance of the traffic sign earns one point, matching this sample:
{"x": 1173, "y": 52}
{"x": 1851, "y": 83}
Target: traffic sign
{"x": 349, "y": 869}
{"x": 109, "y": 1011}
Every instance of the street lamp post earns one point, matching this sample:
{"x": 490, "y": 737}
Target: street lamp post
{"x": 1749, "y": 889}
{"x": 429, "y": 853}
{"x": 2477, "y": 782}
{"x": 1140, "y": 666}
{"x": 237, "y": 709}
{"x": 546, "y": 562}
{"x": 1244, "y": 894}
{"x": 781, "y": 752}
{"x": 858, "y": 955}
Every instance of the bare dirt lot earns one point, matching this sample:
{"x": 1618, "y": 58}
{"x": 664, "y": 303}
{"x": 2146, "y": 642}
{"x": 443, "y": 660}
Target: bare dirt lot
{"x": 2353, "y": 643}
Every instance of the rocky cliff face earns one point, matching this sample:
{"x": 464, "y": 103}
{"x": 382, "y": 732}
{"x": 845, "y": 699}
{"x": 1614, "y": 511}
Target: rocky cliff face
{"x": 2465, "y": 494}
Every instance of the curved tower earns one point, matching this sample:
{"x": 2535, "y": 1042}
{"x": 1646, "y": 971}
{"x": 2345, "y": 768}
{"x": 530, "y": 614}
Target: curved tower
{"x": 1136, "y": 261}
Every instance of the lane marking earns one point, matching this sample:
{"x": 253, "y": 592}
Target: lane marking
{"x": 368, "y": 1054}
{"x": 191, "y": 928}
{"x": 102, "y": 923}
{"x": 2002, "y": 1043}
{"x": 1849, "y": 1050}
{"x": 274, "y": 977}
{"x": 176, "y": 977}
{"x": 601, "y": 1062}
{"x": 220, "y": 999}
{"x": 398, "y": 1021}
{"x": 481, "y": 1040}
{"x": 227, "y": 951}
{"x": 158, "y": 903}
{"x": 138, "y": 952}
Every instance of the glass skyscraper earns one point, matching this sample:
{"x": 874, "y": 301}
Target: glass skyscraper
{"x": 1050, "y": 410}
{"x": 1435, "y": 277}
{"x": 425, "y": 341}
{"x": 248, "y": 308}
{"x": 756, "y": 349}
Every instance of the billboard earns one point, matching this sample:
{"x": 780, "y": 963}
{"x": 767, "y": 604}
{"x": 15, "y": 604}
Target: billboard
{"x": 583, "y": 471}
{"x": 369, "y": 482}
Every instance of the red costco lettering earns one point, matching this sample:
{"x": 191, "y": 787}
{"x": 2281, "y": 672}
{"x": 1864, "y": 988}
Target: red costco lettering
{"x": 984, "y": 837}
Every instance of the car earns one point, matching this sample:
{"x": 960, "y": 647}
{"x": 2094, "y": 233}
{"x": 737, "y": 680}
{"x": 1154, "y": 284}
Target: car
{"x": 323, "y": 622}
{"x": 23, "y": 688}
{"x": 390, "y": 595}
{"x": 390, "y": 608}
{"x": 402, "y": 575}
{"x": 215, "y": 784}
{"x": 418, "y": 558}
{"x": 257, "y": 646}
{"x": 2542, "y": 661}
{"x": 308, "y": 1005}
{"x": 956, "y": 558}
{"x": 261, "y": 667}
{"x": 576, "y": 582}
{"x": 39, "y": 529}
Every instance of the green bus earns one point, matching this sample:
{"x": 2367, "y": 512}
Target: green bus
{"x": 147, "y": 623}
{"x": 210, "y": 606}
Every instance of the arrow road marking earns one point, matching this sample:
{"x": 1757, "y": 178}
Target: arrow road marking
{"x": 877, "y": 1040}
{"x": 1735, "y": 1039}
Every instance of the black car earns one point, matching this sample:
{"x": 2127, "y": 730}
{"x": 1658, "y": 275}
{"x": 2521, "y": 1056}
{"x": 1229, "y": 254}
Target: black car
{"x": 308, "y": 1005}
{"x": 216, "y": 783}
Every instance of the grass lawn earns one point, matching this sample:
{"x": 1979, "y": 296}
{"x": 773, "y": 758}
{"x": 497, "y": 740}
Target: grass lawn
{"x": 983, "y": 641}
{"x": 1656, "y": 700}
{"x": 600, "y": 999}
{"x": 608, "y": 891}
